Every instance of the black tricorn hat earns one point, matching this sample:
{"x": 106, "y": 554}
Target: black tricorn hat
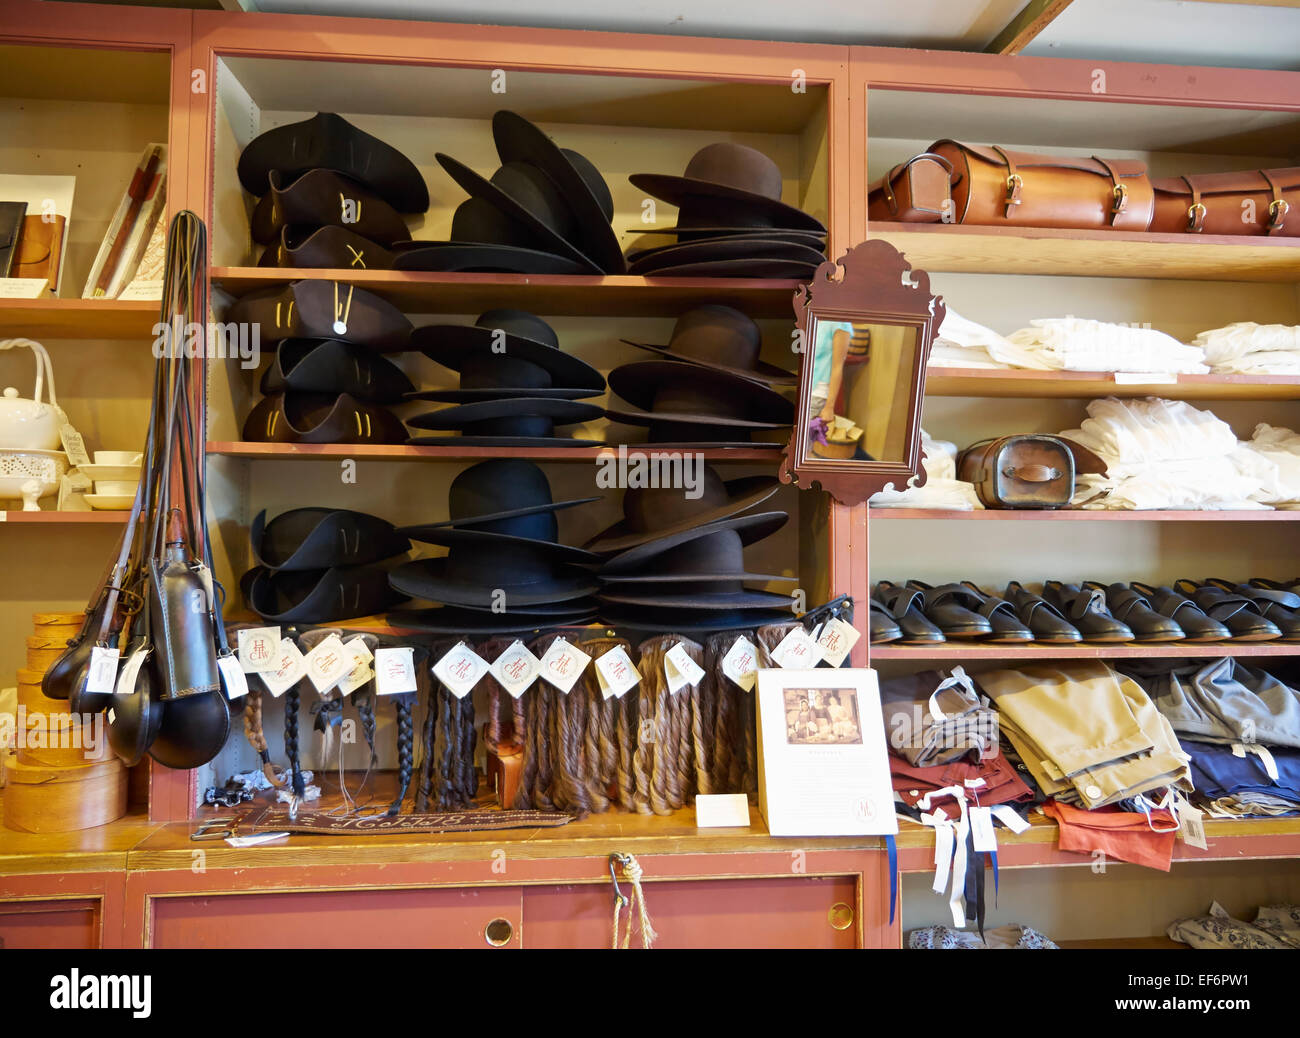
{"x": 325, "y": 248}
{"x": 323, "y": 198}
{"x": 321, "y": 418}
{"x": 318, "y": 538}
{"x": 312, "y": 309}
{"x": 318, "y": 596}
{"x": 515, "y": 574}
{"x": 484, "y": 495}
{"x": 328, "y": 141}
{"x": 723, "y": 339}
{"x": 333, "y": 366}
{"x": 724, "y": 173}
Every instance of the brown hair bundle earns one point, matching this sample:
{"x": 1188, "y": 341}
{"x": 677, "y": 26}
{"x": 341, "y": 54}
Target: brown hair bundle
{"x": 769, "y": 638}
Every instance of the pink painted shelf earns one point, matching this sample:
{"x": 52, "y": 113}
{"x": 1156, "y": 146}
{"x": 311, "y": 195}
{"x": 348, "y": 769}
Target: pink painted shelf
{"x": 403, "y": 452}
{"x": 20, "y": 518}
{"x": 1081, "y": 515}
{"x": 1026, "y": 653}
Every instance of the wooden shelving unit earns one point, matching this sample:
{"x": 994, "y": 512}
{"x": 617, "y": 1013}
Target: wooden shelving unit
{"x": 20, "y": 518}
{"x": 990, "y": 382}
{"x": 400, "y": 452}
{"x": 1066, "y": 515}
{"x": 957, "y": 652}
{"x": 99, "y": 319}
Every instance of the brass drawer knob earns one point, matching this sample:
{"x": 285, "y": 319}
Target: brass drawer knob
{"x": 498, "y": 932}
{"x": 840, "y": 916}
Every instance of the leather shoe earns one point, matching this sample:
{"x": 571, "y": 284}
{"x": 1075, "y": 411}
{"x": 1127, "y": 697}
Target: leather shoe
{"x": 1047, "y": 622}
{"x": 1135, "y": 609}
{"x": 1088, "y": 612}
{"x": 1240, "y": 614}
{"x": 1196, "y": 625}
{"x": 903, "y": 605}
{"x": 883, "y": 627}
{"x": 951, "y": 608}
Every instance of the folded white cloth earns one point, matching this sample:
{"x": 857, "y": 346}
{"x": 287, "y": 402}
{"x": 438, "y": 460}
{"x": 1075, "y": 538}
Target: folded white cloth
{"x": 1268, "y": 362}
{"x": 1272, "y": 458}
{"x": 1247, "y": 347}
{"x": 961, "y": 343}
{"x": 942, "y": 488}
{"x": 1079, "y": 344}
{"x": 1148, "y": 430}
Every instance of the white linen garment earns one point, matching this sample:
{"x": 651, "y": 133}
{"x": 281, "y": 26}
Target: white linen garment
{"x": 942, "y": 488}
{"x": 1079, "y": 344}
{"x": 961, "y": 343}
{"x": 1247, "y": 348}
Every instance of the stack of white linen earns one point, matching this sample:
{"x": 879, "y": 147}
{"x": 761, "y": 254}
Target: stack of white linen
{"x": 964, "y": 344}
{"x": 1247, "y": 348}
{"x": 942, "y": 488}
{"x": 1079, "y": 344}
{"x": 1272, "y": 457}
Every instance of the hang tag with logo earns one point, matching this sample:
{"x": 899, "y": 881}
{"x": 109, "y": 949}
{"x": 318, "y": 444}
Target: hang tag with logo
{"x": 1191, "y": 824}
{"x": 395, "y": 670}
{"x": 130, "y": 670}
{"x": 74, "y": 445}
{"x": 981, "y": 829}
{"x": 797, "y": 650}
{"x": 740, "y": 664}
{"x": 259, "y": 649}
{"x": 616, "y": 672}
{"x": 359, "y": 648}
{"x": 328, "y": 663}
{"x": 516, "y": 668}
{"x": 836, "y": 640}
{"x": 460, "y": 669}
{"x": 289, "y": 671}
{"x": 680, "y": 669}
{"x": 232, "y": 672}
{"x": 563, "y": 663}
{"x": 361, "y": 671}
{"x": 102, "y": 676}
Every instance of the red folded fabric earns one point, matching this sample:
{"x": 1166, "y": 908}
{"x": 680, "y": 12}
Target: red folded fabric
{"x": 1123, "y": 835}
{"x": 1001, "y": 783}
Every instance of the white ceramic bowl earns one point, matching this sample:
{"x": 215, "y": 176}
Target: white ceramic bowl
{"x": 110, "y": 502}
{"x": 96, "y": 473}
{"x": 118, "y": 458}
{"x": 116, "y": 487}
{"x": 24, "y": 469}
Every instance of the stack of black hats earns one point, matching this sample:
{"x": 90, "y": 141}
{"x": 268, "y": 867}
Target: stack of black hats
{"x": 516, "y": 385}
{"x": 329, "y": 195}
{"x": 505, "y": 571}
{"x": 546, "y": 210}
{"x": 328, "y": 380}
{"x": 319, "y": 565}
{"x": 731, "y": 221}
{"x": 676, "y": 563}
{"x": 711, "y": 390}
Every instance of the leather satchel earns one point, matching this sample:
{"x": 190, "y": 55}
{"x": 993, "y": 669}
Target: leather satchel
{"x": 1259, "y": 201}
{"x": 916, "y": 191}
{"x": 39, "y": 248}
{"x": 1019, "y": 471}
{"x": 994, "y": 186}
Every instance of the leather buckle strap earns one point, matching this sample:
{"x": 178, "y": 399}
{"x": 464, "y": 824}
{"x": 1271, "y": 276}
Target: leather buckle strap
{"x": 1196, "y": 211}
{"x": 1119, "y": 190}
{"x": 1278, "y": 208}
{"x": 1015, "y": 182}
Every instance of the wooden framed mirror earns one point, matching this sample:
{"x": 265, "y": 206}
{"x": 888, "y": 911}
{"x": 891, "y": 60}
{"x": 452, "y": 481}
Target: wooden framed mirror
{"x": 864, "y": 329}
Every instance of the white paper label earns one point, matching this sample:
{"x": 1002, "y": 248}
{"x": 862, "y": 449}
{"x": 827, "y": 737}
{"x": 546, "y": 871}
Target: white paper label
{"x": 740, "y": 664}
{"x": 616, "y": 672}
{"x": 142, "y": 290}
{"x": 236, "y": 683}
{"x": 460, "y": 670}
{"x": 680, "y": 669}
{"x": 360, "y": 673}
{"x": 360, "y": 649}
{"x": 130, "y": 669}
{"x": 259, "y": 649}
{"x": 103, "y": 670}
{"x": 254, "y": 839}
{"x": 562, "y": 664}
{"x": 721, "y": 809}
{"x": 1145, "y": 378}
{"x": 74, "y": 445}
{"x": 395, "y": 670}
{"x": 516, "y": 668}
{"x": 328, "y": 663}
{"x": 797, "y": 651}
{"x": 1008, "y": 817}
{"x": 1191, "y": 825}
{"x": 981, "y": 828}
{"x": 288, "y": 672}
{"x": 836, "y": 640}
{"x": 24, "y": 288}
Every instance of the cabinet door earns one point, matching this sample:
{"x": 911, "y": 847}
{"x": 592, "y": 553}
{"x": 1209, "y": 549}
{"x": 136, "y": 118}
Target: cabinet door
{"x": 762, "y": 912}
{"x": 72, "y": 923}
{"x": 456, "y": 917}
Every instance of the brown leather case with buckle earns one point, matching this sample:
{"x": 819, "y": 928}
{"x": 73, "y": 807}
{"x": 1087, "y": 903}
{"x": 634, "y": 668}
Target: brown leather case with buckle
{"x": 995, "y": 186}
{"x": 1019, "y": 471}
{"x": 39, "y": 247}
{"x": 914, "y": 191}
{"x": 1258, "y": 201}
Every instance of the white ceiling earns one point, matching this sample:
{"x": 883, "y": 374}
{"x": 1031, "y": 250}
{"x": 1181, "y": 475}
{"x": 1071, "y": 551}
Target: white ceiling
{"x": 1175, "y": 31}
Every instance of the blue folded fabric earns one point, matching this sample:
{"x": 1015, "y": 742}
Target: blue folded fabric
{"x": 1218, "y": 772}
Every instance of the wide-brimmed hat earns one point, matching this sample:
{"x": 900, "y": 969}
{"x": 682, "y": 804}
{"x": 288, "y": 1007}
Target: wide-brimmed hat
{"x": 654, "y": 262}
{"x": 538, "y": 530}
{"x": 464, "y": 620}
{"x": 522, "y": 422}
{"x": 323, "y": 198}
{"x": 484, "y": 495}
{"x": 318, "y": 596}
{"x": 716, "y": 554}
{"x": 318, "y": 538}
{"x": 751, "y": 528}
{"x": 723, "y": 173}
{"x": 325, "y": 248}
{"x": 687, "y": 621}
{"x": 686, "y": 394}
{"x": 749, "y": 267}
{"x": 328, "y": 141}
{"x": 513, "y": 574}
{"x": 650, "y": 513}
{"x": 688, "y": 234}
{"x": 334, "y": 366}
{"x": 312, "y": 309}
{"x": 579, "y": 181}
{"x": 528, "y": 196}
{"x": 321, "y": 418}
{"x": 723, "y": 339}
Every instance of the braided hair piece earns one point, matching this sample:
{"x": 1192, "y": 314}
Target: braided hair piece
{"x": 404, "y": 705}
{"x": 570, "y": 789}
{"x": 665, "y": 788}
{"x": 769, "y": 637}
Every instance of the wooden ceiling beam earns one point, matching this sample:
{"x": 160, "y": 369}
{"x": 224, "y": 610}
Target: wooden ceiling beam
{"x": 1036, "y": 16}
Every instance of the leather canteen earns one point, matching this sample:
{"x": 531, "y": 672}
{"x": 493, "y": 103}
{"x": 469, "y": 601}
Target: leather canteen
{"x": 1260, "y": 201}
{"x": 915, "y": 191}
{"x": 1019, "y": 471}
{"x": 994, "y": 186}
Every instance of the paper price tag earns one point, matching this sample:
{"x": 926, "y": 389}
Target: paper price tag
{"x": 233, "y": 673}
{"x": 516, "y": 669}
{"x": 981, "y": 829}
{"x": 616, "y": 672}
{"x": 1145, "y": 378}
{"x": 130, "y": 669}
{"x": 361, "y": 671}
{"x": 1008, "y": 817}
{"x": 289, "y": 670}
{"x": 102, "y": 676}
{"x": 836, "y": 640}
{"x": 562, "y": 664}
{"x": 460, "y": 670}
{"x": 395, "y": 670}
{"x": 1191, "y": 825}
{"x": 328, "y": 663}
{"x": 797, "y": 650}
{"x": 359, "y": 649}
{"x": 740, "y": 664}
{"x": 680, "y": 669}
{"x": 74, "y": 445}
{"x": 259, "y": 649}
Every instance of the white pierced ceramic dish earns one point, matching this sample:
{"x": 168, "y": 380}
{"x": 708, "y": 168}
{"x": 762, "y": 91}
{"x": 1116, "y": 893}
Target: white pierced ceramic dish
{"x": 110, "y": 502}
{"x": 98, "y": 473}
{"x": 30, "y": 475}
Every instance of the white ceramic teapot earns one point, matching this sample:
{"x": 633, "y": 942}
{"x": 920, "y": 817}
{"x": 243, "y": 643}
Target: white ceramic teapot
{"x": 31, "y": 424}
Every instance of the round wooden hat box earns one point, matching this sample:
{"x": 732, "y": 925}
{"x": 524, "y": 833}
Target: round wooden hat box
{"x": 30, "y": 694}
{"x": 57, "y": 625}
{"x": 43, "y": 799}
{"x": 63, "y": 740}
{"x": 43, "y": 651}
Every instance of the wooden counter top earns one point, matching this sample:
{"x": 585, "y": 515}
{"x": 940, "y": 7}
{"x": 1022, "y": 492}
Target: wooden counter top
{"x": 103, "y": 849}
